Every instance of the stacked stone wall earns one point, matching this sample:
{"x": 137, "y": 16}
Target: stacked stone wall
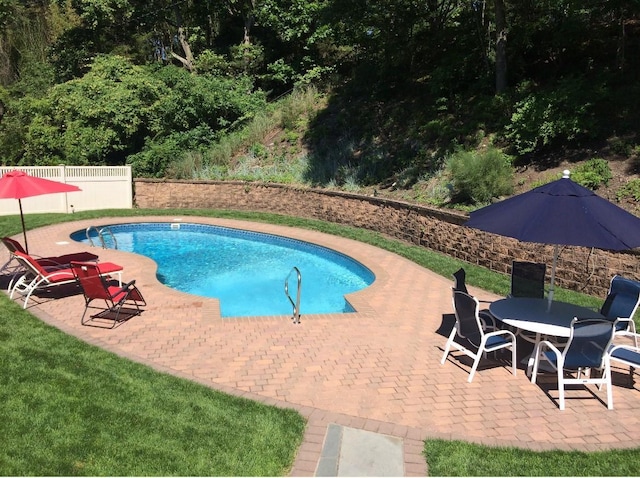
{"x": 578, "y": 268}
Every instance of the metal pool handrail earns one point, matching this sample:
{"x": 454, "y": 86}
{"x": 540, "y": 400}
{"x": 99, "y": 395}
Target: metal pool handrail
{"x": 296, "y": 304}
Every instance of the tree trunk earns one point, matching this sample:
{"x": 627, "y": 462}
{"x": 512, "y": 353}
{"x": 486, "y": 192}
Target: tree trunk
{"x": 187, "y": 61}
{"x": 501, "y": 47}
{"x": 248, "y": 23}
{"x": 620, "y": 53}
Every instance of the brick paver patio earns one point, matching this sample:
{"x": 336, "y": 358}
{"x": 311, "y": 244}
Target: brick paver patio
{"x": 377, "y": 369}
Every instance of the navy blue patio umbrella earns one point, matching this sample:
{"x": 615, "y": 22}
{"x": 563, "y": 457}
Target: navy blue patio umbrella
{"x": 560, "y": 213}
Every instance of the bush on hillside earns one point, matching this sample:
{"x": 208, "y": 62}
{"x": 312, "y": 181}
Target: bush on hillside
{"x": 592, "y": 174}
{"x": 479, "y": 176}
{"x": 629, "y": 190}
{"x": 562, "y": 113}
{"x": 123, "y": 113}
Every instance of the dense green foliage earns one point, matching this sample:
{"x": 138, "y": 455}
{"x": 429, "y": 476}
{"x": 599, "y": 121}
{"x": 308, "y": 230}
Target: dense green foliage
{"x": 593, "y": 173}
{"x": 566, "y": 112}
{"x": 478, "y": 176}
{"x": 119, "y": 112}
{"x": 158, "y": 84}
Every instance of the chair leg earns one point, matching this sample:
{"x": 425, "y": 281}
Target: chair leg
{"x": 474, "y": 367}
{"x": 447, "y": 346}
{"x": 561, "y": 387}
{"x": 513, "y": 358}
{"x": 476, "y": 358}
{"x": 14, "y": 277}
{"x": 24, "y": 288}
{"x": 86, "y": 308}
{"x": 606, "y": 374}
{"x": 18, "y": 285}
{"x": 609, "y": 396}
{"x": 536, "y": 359}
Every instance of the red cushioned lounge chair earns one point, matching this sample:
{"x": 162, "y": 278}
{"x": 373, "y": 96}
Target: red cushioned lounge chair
{"x": 14, "y": 246}
{"x": 41, "y": 278}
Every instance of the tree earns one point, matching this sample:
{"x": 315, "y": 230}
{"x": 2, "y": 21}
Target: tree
{"x": 501, "y": 47}
{"x": 246, "y": 9}
{"x": 119, "y": 110}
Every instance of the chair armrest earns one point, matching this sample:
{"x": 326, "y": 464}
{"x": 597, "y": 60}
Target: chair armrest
{"x": 126, "y": 286}
{"x": 629, "y": 320}
{"x": 624, "y": 346}
{"x": 627, "y": 354}
{"x": 501, "y": 332}
{"x": 48, "y": 264}
{"x": 549, "y": 345}
{"x": 488, "y": 321}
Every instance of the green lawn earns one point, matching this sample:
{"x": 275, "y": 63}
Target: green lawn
{"x": 69, "y": 408}
{"x": 72, "y": 409}
{"x": 455, "y": 458}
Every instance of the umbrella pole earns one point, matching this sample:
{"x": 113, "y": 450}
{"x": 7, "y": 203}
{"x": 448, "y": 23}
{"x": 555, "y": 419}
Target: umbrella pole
{"x": 24, "y": 229}
{"x": 553, "y": 274}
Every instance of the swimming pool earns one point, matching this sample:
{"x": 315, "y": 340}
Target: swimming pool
{"x": 245, "y": 270}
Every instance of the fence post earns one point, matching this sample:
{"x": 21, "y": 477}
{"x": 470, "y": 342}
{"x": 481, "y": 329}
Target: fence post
{"x": 63, "y": 179}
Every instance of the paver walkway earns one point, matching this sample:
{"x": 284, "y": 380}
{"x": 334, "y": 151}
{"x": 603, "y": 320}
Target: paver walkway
{"x": 377, "y": 369}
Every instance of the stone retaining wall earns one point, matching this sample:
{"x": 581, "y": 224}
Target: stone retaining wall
{"x": 578, "y": 268}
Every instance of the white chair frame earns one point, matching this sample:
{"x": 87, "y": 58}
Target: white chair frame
{"x": 583, "y": 374}
{"x": 486, "y": 339}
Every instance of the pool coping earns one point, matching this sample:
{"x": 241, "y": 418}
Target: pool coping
{"x": 249, "y": 234}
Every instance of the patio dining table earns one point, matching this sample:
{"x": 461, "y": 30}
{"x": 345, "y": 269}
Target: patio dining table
{"x": 539, "y": 316}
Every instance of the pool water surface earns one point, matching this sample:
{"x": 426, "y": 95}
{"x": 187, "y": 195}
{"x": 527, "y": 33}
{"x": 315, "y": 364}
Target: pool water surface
{"x": 245, "y": 270}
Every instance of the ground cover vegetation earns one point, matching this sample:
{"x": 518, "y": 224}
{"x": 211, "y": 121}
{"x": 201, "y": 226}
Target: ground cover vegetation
{"x": 417, "y": 100}
{"x": 61, "y": 382}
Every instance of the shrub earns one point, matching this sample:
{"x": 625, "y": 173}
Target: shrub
{"x": 157, "y": 156}
{"x": 211, "y": 63}
{"x": 592, "y": 174}
{"x": 629, "y": 190}
{"x": 297, "y": 107}
{"x": 621, "y": 146}
{"x": 479, "y": 176}
{"x": 563, "y": 113}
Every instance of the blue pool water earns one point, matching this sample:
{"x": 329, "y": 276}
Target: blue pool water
{"x": 245, "y": 270}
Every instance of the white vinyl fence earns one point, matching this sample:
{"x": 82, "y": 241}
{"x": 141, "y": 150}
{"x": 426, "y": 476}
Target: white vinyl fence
{"x": 102, "y": 187}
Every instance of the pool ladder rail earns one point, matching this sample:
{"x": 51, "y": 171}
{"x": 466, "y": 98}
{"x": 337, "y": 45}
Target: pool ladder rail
{"x": 296, "y": 304}
{"x": 101, "y": 232}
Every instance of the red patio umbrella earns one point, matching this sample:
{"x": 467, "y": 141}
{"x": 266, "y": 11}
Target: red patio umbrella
{"x": 18, "y": 185}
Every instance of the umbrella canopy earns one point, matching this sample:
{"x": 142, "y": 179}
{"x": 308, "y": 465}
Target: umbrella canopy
{"x": 560, "y": 213}
{"x": 19, "y": 185}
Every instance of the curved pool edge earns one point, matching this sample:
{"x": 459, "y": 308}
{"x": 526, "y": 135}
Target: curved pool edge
{"x": 59, "y": 239}
{"x": 353, "y": 274}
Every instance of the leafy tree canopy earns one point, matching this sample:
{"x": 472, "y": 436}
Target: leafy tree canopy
{"x": 115, "y": 81}
{"x": 117, "y": 107}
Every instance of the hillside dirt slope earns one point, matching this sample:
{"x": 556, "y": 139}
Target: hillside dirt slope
{"x": 528, "y": 176}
